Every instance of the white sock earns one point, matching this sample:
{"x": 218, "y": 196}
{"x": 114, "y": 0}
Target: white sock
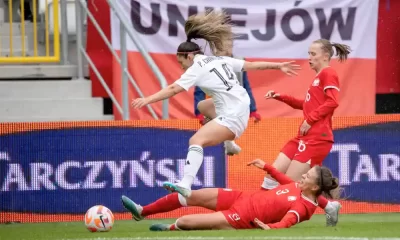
{"x": 269, "y": 183}
{"x": 182, "y": 200}
{"x": 193, "y": 163}
{"x": 229, "y": 144}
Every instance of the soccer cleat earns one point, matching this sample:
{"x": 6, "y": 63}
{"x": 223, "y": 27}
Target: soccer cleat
{"x": 172, "y": 187}
{"x": 132, "y": 207}
{"x": 231, "y": 148}
{"x": 160, "y": 227}
{"x": 332, "y": 214}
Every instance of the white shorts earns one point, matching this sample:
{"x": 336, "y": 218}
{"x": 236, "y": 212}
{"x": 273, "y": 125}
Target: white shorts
{"x": 237, "y": 123}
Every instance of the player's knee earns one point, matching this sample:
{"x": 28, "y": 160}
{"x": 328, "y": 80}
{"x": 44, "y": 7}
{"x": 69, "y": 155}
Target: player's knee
{"x": 193, "y": 199}
{"x": 185, "y": 223}
{"x": 206, "y": 107}
{"x": 201, "y": 107}
{"x": 196, "y": 140}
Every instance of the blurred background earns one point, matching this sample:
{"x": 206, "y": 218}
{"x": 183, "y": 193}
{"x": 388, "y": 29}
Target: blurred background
{"x": 69, "y": 69}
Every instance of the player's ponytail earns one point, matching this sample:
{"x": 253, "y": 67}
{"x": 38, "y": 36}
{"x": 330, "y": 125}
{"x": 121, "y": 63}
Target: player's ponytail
{"x": 342, "y": 50}
{"x": 328, "y": 185}
{"x": 211, "y": 26}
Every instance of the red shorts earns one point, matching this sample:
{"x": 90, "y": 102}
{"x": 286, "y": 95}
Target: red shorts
{"x": 306, "y": 151}
{"x": 235, "y": 207}
{"x": 226, "y": 198}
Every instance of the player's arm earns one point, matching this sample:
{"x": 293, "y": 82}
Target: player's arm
{"x": 242, "y": 65}
{"x": 248, "y": 66}
{"x": 295, "y": 215}
{"x": 289, "y": 68}
{"x": 278, "y": 176}
{"x": 331, "y": 88}
{"x": 165, "y": 93}
{"x": 291, "y": 101}
{"x": 329, "y": 105}
{"x": 186, "y": 81}
{"x": 291, "y": 218}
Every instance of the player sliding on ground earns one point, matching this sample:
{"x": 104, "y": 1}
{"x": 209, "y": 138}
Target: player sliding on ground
{"x": 284, "y": 206}
{"x": 215, "y": 76}
{"x": 315, "y": 137}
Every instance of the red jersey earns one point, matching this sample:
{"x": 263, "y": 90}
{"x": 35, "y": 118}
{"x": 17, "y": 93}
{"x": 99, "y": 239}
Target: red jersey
{"x": 320, "y": 102}
{"x": 281, "y": 207}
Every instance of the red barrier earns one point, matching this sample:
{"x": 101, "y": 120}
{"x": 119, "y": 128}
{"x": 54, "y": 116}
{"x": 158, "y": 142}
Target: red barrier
{"x": 388, "y": 47}
{"x": 96, "y": 47}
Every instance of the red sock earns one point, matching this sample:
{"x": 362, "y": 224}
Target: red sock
{"x": 164, "y": 204}
{"x": 322, "y": 202}
{"x": 172, "y": 227}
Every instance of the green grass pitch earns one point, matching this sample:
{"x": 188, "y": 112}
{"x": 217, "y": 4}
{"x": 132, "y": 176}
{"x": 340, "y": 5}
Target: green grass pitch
{"x": 350, "y": 227}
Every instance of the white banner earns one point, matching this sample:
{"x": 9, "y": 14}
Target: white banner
{"x": 267, "y": 28}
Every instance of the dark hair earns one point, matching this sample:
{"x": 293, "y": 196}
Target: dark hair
{"x": 328, "y": 185}
{"x": 212, "y": 26}
{"x": 342, "y": 50}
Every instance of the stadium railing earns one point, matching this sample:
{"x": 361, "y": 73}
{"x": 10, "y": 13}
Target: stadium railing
{"x": 50, "y": 16}
{"x": 53, "y": 22}
{"x": 125, "y": 31}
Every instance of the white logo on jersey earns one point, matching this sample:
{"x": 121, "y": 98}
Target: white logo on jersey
{"x": 316, "y": 82}
{"x": 234, "y": 217}
{"x": 282, "y": 191}
{"x": 291, "y": 198}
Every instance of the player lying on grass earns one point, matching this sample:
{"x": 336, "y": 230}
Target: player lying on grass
{"x": 284, "y": 206}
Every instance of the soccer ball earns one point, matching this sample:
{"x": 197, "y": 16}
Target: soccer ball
{"x": 99, "y": 219}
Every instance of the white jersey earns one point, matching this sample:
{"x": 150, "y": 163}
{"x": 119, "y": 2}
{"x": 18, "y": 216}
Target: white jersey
{"x": 216, "y": 77}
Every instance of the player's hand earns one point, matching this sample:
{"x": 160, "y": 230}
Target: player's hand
{"x": 271, "y": 94}
{"x": 256, "y": 116}
{"x": 261, "y": 224}
{"x": 289, "y": 68}
{"x": 257, "y": 163}
{"x": 139, "y": 102}
{"x": 304, "y": 128}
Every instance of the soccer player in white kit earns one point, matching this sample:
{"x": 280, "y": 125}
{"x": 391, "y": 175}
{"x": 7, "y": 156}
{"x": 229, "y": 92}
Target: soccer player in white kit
{"x": 216, "y": 77}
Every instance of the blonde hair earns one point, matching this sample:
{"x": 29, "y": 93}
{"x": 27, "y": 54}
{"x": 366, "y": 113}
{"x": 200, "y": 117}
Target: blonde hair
{"x": 212, "y": 26}
{"x": 342, "y": 50}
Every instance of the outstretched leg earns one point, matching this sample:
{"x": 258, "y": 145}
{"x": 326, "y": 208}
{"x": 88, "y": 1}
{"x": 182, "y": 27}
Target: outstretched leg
{"x": 211, "y": 134}
{"x": 206, "y": 197}
{"x": 211, "y": 221}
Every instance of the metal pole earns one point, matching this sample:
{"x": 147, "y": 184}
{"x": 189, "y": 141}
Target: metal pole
{"x": 124, "y": 65}
{"x": 101, "y": 79}
{"x": 117, "y": 58}
{"x": 64, "y": 32}
{"x": 79, "y": 38}
{"x": 135, "y": 38}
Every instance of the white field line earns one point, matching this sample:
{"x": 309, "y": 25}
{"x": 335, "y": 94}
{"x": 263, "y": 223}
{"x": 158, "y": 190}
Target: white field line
{"x": 238, "y": 238}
